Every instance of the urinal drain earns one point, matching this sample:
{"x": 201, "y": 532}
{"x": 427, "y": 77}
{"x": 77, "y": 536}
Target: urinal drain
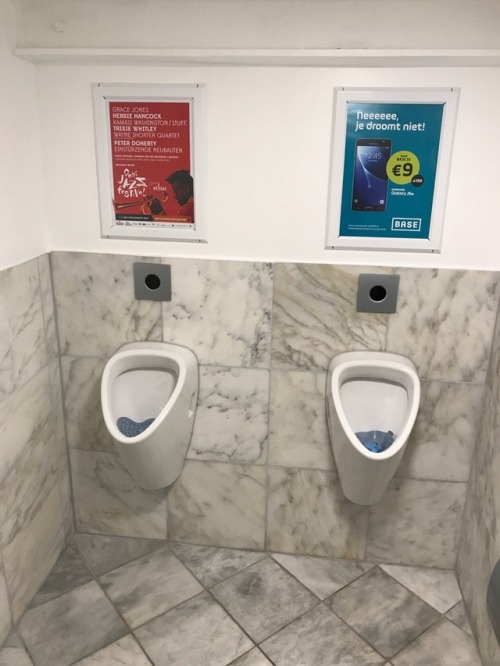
{"x": 376, "y": 440}
{"x": 131, "y": 428}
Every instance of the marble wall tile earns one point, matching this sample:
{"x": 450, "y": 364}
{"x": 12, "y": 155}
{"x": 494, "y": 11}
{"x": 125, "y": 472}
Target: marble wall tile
{"x": 298, "y": 434}
{"x": 97, "y": 311}
{"x": 23, "y": 348}
{"x": 231, "y": 422}
{"x": 488, "y": 464}
{"x": 493, "y": 376}
{"x": 5, "y": 619}
{"x": 32, "y": 552}
{"x": 48, "y": 307}
{"x": 480, "y": 488}
{"x": 221, "y": 310}
{"x": 417, "y": 522}
{"x": 308, "y": 513}
{"x": 445, "y": 434}
{"x": 82, "y": 400}
{"x": 315, "y": 318}
{"x": 35, "y": 472}
{"x": 25, "y": 413}
{"x": 108, "y": 501}
{"x": 445, "y": 322}
{"x": 218, "y": 504}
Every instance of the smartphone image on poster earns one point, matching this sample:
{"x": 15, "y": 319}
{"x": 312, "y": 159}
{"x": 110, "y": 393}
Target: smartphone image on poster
{"x": 369, "y": 191}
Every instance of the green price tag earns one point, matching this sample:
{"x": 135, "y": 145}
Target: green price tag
{"x": 402, "y": 166}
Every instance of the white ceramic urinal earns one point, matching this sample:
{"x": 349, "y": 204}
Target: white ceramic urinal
{"x": 369, "y": 391}
{"x": 149, "y": 392}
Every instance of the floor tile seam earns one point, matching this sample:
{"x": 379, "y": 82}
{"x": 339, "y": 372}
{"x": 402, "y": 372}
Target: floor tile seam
{"x": 351, "y": 628}
{"x": 133, "y": 559}
{"x": 230, "y": 615}
{"x": 293, "y": 576}
{"x": 226, "y": 578}
{"x": 298, "y": 617}
{"x": 362, "y": 575}
{"x": 434, "y": 622}
{"x": 75, "y": 663}
{"x": 60, "y": 594}
{"x": 255, "y": 647}
{"x": 415, "y": 594}
{"x": 15, "y": 628}
{"x": 117, "y": 611}
{"x": 424, "y": 631}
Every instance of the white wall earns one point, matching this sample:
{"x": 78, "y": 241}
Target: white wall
{"x": 22, "y": 195}
{"x": 268, "y": 144}
{"x": 304, "y": 24}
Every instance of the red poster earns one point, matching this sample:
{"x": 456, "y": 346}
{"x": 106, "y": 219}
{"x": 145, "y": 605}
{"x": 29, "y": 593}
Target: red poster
{"x": 151, "y": 163}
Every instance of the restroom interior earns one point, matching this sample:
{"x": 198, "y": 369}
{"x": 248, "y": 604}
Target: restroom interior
{"x": 263, "y": 306}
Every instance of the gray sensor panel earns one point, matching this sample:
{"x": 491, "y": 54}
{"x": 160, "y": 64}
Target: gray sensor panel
{"x": 152, "y": 282}
{"x": 377, "y": 293}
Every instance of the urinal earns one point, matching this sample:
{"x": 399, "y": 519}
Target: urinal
{"x": 149, "y": 392}
{"x": 369, "y": 392}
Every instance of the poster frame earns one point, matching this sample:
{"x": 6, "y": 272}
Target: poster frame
{"x": 105, "y": 93}
{"x": 449, "y": 97}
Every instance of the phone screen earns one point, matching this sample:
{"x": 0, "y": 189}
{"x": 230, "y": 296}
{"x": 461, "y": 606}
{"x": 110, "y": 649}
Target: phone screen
{"x": 369, "y": 192}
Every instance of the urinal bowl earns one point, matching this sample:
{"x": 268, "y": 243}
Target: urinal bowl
{"x": 151, "y": 380}
{"x": 369, "y": 391}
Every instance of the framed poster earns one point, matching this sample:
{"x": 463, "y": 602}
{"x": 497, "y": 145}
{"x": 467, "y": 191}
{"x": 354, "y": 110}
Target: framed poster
{"x": 391, "y": 157}
{"x": 150, "y": 161}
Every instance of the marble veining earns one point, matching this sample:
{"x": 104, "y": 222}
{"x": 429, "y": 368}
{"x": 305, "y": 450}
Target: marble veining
{"x": 98, "y": 312}
{"x": 148, "y": 586}
{"x": 456, "y": 648}
{"x": 108, "y": 501}
{"x": 123, "y": 652}
{"x": 263, "y": 598}
{"x": 323, "y": 576}
{"x": 198, "y": 631}
{"x": 218, "y": 504}
{"x": 82, "y": 400}
{"x": 103, "y": 553}
{"x": 48, "y": 308}
{"x": 29, "y": 481}
{"x": 33, "y": 551}
{"x": 382, "y": 611}
{"x": 320, "y": 633}
{"x": 435, "y": 307}
{"x": 314, "y": 316}
{"x": 298, "y": 435}
{"x": 438, "y": 587}
{"x": 221, "y": 310}
{"x": 71, "y": 626}
{"x": 23, "y": 347}
{"x": 210, "y": 564}
{"x": 445, "y": 433}
{"x": 246, "y": 609}
{"x": 232, "y": 416}
{"x": 309, "y": 514}
{"x": 416, "y": 522}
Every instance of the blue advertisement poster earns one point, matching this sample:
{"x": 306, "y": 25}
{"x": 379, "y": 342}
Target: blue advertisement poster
{"x": 391, "y": 155}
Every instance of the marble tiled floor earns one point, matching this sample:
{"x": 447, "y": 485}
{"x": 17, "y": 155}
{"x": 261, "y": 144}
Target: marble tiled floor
{"x": 134, "y": 602}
